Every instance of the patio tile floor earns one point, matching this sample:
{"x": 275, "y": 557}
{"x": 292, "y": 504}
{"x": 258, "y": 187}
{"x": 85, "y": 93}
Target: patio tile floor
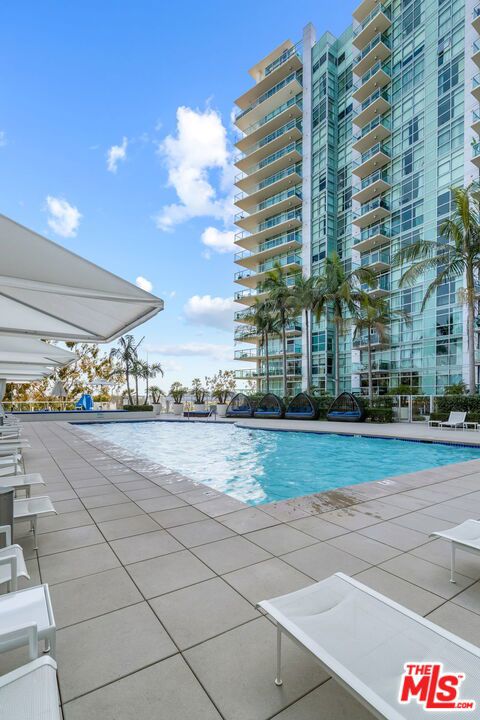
{"x": 154, "y": 579}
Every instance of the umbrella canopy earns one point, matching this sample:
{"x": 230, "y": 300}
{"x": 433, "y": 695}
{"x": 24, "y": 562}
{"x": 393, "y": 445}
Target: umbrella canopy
{"x": 58, "y": 390}
{"x": 49, "y": 292}
{"x": 27, "y": 350}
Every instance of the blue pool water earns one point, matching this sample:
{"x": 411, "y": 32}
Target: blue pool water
{"x": 259, "y": 466}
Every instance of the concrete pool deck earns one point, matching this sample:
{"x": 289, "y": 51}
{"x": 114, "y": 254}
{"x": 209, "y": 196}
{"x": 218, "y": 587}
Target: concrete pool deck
{"x": 154, "y": 578}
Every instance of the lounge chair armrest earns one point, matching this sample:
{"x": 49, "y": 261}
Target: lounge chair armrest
{"x": 12, "y": 561}
{"x": 27, "y": 632}
{"x": 7, "y": 531}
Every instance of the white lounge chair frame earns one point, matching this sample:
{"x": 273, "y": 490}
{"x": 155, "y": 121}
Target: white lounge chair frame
{"x": 8, "y": 478}
{"x": 16, "y": 630}
{"x": 368, "y": 695}
{"x": 31, "y": 686}
{"x": 12, "y": 555}
{"x": 455, "y": 420}
{"x": 460, "y": 537}
{"x": 31, "y": 509}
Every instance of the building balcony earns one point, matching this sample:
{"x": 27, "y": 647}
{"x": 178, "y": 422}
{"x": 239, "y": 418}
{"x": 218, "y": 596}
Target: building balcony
{"x": 377, "y": 104}
{"x": 476, "y": 121}
{"x": 273, "y": 98}
{"x": 378, "y": 261}
{"x": 377, "y": 77}
{"x": 256, "y": 354}
{"x": 377, "y": 21}
{"x": 276, "y": 204}
{"x": 375, "y": 132}
{"x": 476, "y": 154}
{"x": 373, "y": 212}
{"x": 249, "y": 333}
{"x": 252, "y": 278}
{"x": 361, "y": 342}
{"x": 250, "y": 295}
{"x": 284, "y": 135}
{"x": 476, "y": 53}
{"x": 271, "y": 165}
{"x": 288, "y": 62}
{"x": 272, "y": 185}
{"x": 374, "y": 159}
{"x": 269, "y": 248}
{"x": 476, "y": 18}
{"x": 291, "y": 110}
{"x": 242, "y": 316}
{"x": 382, "y": 289}
{"x": 476, "y": 87}
{"x": 378, "y": 366}
{"x": 363, "y": 9}
{"x": 372, "y": 237}
{"x": 377, "y": 50}
{"x": 294, "y": 369}
{"x": 372, "y": 186}
{"x": 277, "y": 225}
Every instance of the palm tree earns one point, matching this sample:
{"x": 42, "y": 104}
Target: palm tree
{"x": 281, "y": 302}
{"x": 339, "y": 291}
{"x": 455, "y": 254}
{"x": 126, "y": 353}
{"x": 374, "y": 315}
{"x": 307, "y": 297}
{"x": 149, "y": 371}
{"x": 265, "y": 323}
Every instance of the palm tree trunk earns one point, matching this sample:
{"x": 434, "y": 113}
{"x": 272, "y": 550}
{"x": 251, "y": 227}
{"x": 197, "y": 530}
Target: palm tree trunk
{"x": 370, "y": 382}
{"x": 267, "y": 360}
{"x": 337, "y": 360}
{"x": 284, "y": 354}
{"x": 471, "y": 331}
{"x": 136, "y": 389}
{"x": 146, "y": 390}
{"x": 127, "y": 377}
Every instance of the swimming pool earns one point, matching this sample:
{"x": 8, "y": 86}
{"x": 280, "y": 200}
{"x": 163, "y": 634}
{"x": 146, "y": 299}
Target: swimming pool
{"x": 260, "y": 466}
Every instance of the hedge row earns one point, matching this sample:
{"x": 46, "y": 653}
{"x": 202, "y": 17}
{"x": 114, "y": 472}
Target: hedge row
{"x": 461, "y": 403}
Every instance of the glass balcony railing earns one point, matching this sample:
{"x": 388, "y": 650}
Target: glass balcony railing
{"x": 284, "y": 57}
{"x": 385, "y": 122}
{"x": 380, "y": 256}
{"x": 476, "y": 47}
{"x": 296, "y": 168}
{"x": 379, "y": 8}
{"x": 271, "y": 201}
{"x": 242, "y": 274}
{"x": 476, "y": 150}
{"x": 379, "y": 147}
{"x": 274, "y": 349}
{"x": 380, "y": 38}
{"x": 270, "y": 159}
{"x": 380, "y": 93}
{"x": 373, "y": 178}
{"x": 297, "y": 100}
{"x": 242, "y": 314}
{"x": 476, "y": 12}
{"x": 270, "y": 244}
{"x": 383, "y": 283}
{"x": 476, "y": 116}
{"x": 476, "y": 82}
{"x": 296, "y": 123}
{"x": 373, "y": 205}
{"x": 370, "y": 73}
{"x": 290, "y": 259}
{"x": 272, "y": 91}
{"x": 379, "y": 229}
{"x": 279, "y": 219}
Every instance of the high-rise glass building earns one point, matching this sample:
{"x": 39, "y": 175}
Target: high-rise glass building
{"x": 352, "y": 144}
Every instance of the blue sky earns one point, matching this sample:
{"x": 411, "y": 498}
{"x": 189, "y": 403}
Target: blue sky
{"x": 116, "y": 141}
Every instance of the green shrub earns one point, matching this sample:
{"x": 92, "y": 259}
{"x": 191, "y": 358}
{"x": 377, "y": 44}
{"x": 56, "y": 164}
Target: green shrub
{"x": 138, "y": 408}
{"x": 379, "y": 414}
{"x": 460, "y": 403}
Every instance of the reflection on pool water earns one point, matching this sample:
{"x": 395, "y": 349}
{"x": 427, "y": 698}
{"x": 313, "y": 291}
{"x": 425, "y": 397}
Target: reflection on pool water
{"x": 259, "y": 466}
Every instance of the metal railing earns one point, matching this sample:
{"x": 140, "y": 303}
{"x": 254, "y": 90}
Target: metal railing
{"x": 379, "y": 147}
{"x": 380, "y": 65}
{"x": 284, "y": 57}
{"x": 297, "y": 75}
{"x": 297, "y": 100}
{"x": 379, "y": 8}
{"x": 379, "y": 229}
{"x": 373, "y": 178}
{"x": 270, "y": 244}
{"x": 382, "y": 256}
{"x": 380, "y": 120}
{"x": 380, "y": 38}
{"x": 380, "y": 93}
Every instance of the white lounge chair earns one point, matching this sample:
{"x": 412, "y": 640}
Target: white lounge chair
{"x": 23, "y": 610}
{"x": 31, "y": 509}
{"x": 465, "y": 536}
{"x": 455, "y": 420}
{"x": 364, "y": 640}
{"x": 8, "y": 478}
{"x": 30, "y": 692}
{"x": 12, "y": 562}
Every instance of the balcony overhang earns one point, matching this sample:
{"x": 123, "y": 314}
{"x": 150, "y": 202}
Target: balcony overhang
{"x": 378, "y": 293}
{"x": 378, "y": 187}
{"x": 292, "y": 64}
{"x": 249, "y": 182}
{"x": 256, "y": 278}
{"x": 476, "y": 160}
{"x": 379, "y": 80}
{"x": 476, "y": 21}
{"x": 364, "y": 9}
{"x": 378, "y": 266}
{"x": 259, "y": 111}
{"x": 371, "y": 242}
{"x": 253, "y": 137}
{"x": 476, "y": 125}
{"x": 377, "y": 161}
{"x": 249, "y": 299}
{"x": 251, "y": 241}
{"x": 250, "y": 222}
{"x": 381, "y": 51}
{"x": 379, "y": 23}
{"x": 371, "y": 217}
{"x": 377, "y": 107}
{"x": 249, "y": 202}
{"x": 476, "y": 57}
{"x": 253, "y": 260}
{"x": 476, "y": 92}
{"x": 269, "y": 148}
{"x": 378, "y": 134}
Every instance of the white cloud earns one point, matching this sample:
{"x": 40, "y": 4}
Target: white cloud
{"x": 64, "y": 218}
{"x": 218, "y": 240}
{"x": 3, "y": 138}
{"x": 144, "y": 284}
{"x": 215, "y": 312}
{"x": 116, "y": 154}
{"x": 193, "y": 349}
{"x": 199, "y": 147}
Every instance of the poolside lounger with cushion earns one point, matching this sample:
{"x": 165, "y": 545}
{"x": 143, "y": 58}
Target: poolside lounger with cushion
{"x": 455, "y": 420}
{"x": 465, "y": 536}
{"x": 12, "y": 562}
{"x": 31, "y": 509}
{"x": 12, "y": 461}
{"x": 30, "y": 692}
{"x": 8, "y": 478}
{"x": 364, "y": 640}
{"x": 26, "y": 618}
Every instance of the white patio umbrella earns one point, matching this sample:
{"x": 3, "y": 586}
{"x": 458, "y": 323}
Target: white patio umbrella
{"x": 49, "y": 292}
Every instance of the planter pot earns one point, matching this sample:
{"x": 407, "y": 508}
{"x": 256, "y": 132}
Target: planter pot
{"x": 177, "y": 408}
{"x": 156, "y": 408}
{"x": 221, "y": 409}
{"x": 199, "y": 407}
